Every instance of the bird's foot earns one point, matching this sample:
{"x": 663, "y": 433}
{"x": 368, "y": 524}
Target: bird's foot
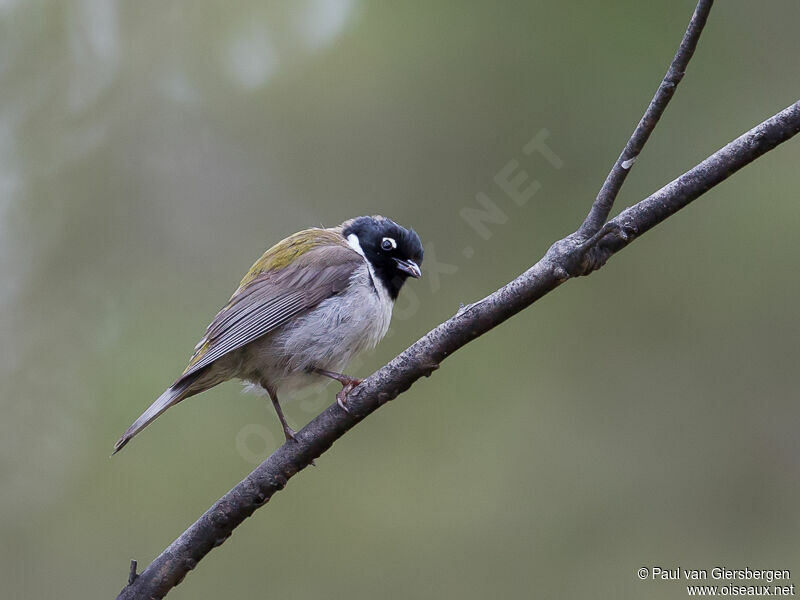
{"x": 341, "y": 397}
{"x": 348, "y": 383}
{"x": 289, "y": 433}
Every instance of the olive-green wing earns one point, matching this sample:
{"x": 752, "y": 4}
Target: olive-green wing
{"x": 268, "y": 299}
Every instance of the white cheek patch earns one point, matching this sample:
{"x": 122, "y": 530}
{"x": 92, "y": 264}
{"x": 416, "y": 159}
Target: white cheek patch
{"x": 380, "y": 288}
{"x": 352, "y": 241}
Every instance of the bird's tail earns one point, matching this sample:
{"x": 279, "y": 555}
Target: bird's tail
{"x": 178, "y": 391}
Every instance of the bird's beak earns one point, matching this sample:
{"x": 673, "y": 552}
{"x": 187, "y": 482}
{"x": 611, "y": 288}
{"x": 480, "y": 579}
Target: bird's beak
{"x": 409, "y": 266}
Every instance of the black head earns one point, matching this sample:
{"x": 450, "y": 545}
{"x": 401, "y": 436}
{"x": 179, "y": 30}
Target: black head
{"x": 394, "y": 252}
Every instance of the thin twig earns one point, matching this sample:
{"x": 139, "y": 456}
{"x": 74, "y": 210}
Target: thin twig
{"x": 132, "y": 573}
{"x": 616, "y": 177}
{"x": 569, "y": 257}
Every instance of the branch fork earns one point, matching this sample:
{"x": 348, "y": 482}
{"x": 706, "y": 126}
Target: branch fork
{"x": 578, "y": 254}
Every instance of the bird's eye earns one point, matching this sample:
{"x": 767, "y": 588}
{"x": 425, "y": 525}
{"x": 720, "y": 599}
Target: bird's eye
{"x": 388, "y": 244}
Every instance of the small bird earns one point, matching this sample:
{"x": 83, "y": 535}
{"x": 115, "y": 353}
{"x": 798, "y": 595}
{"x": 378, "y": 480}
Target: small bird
{"x": 305, "y": 308}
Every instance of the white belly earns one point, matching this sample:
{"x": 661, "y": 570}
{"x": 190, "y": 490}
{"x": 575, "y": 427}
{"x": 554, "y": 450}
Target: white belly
{"x": 327, "y": 337}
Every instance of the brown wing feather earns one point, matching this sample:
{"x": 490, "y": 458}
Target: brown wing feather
{"x": 274, "y": 297}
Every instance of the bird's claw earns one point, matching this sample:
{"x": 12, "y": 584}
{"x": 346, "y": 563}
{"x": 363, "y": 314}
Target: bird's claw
{"x": 290, "y": 434}
{"x": 342, "y": 402}
{"x": 341, "y": 397}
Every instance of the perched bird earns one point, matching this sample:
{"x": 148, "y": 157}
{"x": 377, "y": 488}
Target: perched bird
{"x": 305, "y": 308}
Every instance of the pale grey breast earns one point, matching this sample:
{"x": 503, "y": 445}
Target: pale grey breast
{"x": 327, "y": 337}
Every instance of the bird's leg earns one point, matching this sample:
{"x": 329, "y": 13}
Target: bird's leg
{"x": 348, "y": 383}
{"x": 287, "y": 431}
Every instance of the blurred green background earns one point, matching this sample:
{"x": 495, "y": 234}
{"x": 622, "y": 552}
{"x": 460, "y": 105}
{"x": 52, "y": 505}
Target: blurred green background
{"x": 647, "y": 415}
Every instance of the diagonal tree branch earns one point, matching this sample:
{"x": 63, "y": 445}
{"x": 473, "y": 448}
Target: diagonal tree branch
{"x": 577, "y": 254}
{"x": 570, "y": 257}
{"x": 616, "y": 177}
